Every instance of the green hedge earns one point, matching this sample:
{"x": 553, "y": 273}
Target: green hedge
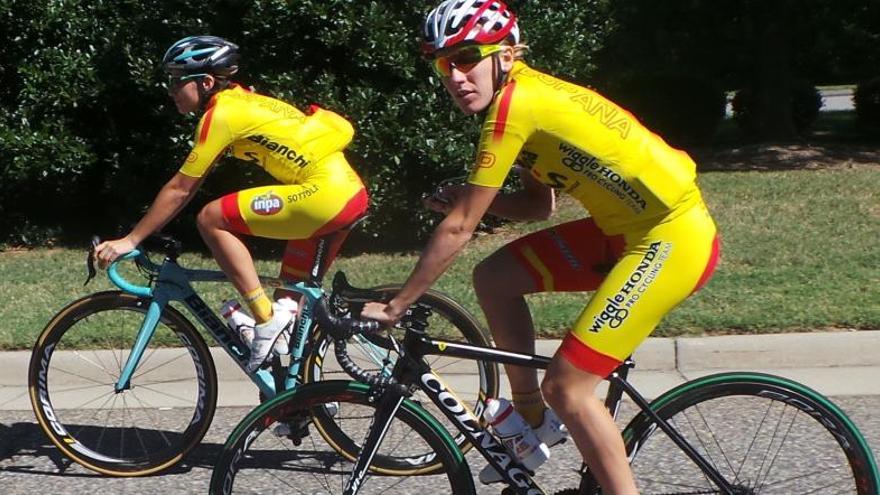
{"x": 88, "y": 134}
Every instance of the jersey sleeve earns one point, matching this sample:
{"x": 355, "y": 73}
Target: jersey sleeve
{"x": 212, "y": 138}
{"x": 507, "y": 127}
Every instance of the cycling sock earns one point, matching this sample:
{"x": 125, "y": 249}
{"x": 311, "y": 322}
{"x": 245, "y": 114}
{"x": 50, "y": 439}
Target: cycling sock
{"x": 530, "y": 406}
{"x": 260, "y": 305}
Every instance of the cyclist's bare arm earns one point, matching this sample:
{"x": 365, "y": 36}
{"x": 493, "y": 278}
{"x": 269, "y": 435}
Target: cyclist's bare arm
{"x": 535, "y": 201}
{"x": 173, "y": 196}
{"x": 446, "y": 242}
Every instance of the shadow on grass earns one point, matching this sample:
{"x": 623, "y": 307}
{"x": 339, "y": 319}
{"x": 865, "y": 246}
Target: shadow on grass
{"x": 835, "y": 142}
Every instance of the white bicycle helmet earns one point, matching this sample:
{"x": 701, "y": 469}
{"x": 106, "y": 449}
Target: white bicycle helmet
{"x": 483, "y": 22}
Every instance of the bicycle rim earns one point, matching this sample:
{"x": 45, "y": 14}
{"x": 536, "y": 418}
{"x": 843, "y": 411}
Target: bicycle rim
{"x": 145, "y": 429}
{"x": 255, "y": 460}
{"x": 473, "y": 381}
{"x": 764, "y": 434}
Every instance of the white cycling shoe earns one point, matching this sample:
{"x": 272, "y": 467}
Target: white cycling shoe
{"x": 265, "y": 335}
{"x": 550, "y": 432}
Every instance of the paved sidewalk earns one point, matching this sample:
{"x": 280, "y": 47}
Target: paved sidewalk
{"x": 834, "y": 363}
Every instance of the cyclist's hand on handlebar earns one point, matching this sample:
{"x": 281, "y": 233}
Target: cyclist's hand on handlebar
{"x": 380, "y": 312}
{"x": 108, "y": 251}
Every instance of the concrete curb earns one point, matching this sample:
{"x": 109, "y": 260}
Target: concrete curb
{"x": 788, "y": 350}
{"x": 835, "y": 363}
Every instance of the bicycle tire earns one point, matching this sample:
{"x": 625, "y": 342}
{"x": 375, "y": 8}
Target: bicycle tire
{"x": 249, "y": 459}
{"x": 487, "y": 387}
{"x": 820, "y": 442}
{"x": 75, "y": 364}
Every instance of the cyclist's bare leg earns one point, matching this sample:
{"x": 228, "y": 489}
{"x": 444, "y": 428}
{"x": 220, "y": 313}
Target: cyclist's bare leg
{"x": 500, "y": 283}
{"x": 570, "y": 391}
{"x": 230, "y": 252}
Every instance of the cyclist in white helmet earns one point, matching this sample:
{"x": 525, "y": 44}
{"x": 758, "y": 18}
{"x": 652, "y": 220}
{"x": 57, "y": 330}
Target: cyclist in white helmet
{"x": 648, "y": 243}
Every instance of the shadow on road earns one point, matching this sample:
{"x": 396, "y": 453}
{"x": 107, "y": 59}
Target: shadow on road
{"x": 25, "y": 449}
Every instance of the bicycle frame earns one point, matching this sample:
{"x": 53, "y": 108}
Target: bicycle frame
{"x": 412, "y": 370}
{"x": 173, "y": 283}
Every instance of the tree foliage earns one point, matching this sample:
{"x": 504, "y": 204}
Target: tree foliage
{"x": 764, "y": 45}
{"x": 88, "y": 134}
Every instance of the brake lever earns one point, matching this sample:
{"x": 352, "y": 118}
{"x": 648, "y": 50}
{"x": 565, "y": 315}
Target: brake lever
{"x": 90, "y": 259}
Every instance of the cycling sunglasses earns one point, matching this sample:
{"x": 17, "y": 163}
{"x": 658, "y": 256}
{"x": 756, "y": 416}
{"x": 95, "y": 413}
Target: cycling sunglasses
{"x": 464, "y": 59}
{"x": 175, "y": 82}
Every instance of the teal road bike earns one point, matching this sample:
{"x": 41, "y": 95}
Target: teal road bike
{"x": 124, "y": 383}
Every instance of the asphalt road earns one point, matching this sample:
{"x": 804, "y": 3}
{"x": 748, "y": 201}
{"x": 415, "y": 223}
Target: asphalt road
{"x": 29, "y": 464}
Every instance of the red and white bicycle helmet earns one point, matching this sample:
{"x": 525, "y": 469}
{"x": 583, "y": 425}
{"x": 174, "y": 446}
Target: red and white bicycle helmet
{"x": 482, "y": 22}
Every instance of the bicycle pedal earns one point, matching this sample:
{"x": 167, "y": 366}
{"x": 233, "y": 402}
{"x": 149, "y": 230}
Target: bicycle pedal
{"x": 293, "y": 430}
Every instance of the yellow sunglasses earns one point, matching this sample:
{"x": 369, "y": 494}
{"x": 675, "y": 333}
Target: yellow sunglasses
{"x": 464, "y": 59}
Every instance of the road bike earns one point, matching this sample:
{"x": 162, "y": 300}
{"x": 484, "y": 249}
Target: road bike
{"x": 730, "y": 433}
{"x": 123, "y": 383}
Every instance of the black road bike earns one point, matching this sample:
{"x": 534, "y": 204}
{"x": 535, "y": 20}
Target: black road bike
{"x": 729, "y": 433}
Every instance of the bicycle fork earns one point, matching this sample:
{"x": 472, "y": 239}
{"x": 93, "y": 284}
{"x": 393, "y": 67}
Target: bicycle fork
{"x": 389, "y": 400}
{"x": 148, "y": 328}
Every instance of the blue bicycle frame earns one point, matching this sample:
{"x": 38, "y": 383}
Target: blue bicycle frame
{"x": 172, "y": 283}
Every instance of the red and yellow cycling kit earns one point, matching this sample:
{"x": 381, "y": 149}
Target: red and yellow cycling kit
{"x": 650, "y": 242}
{"x": 319, "y": 192}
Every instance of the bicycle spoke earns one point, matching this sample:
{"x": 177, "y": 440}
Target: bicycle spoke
{"x": 799, "y": 478}
{"x": 155, "y": 420}
{"x": 110, "y": 397}
{"x": 64, "y": 390}
{"x": 760, "y": 434}
{"x": 143, "y": 372}
{"x": 100, "y": 366}
{"x": 84, "y": 405}
{"x": 166, "y": 394}
{"x": 754, "y": 440}
{"x": 759, "y": 481}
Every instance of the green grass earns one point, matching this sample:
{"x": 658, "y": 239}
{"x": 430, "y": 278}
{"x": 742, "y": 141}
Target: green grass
{"x": 799, "y": 252}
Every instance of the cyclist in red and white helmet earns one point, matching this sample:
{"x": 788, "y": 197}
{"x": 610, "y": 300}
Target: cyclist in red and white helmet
{"x": 457, "y": 24}
{"x": 470, "y": 21}
{"x": 648, "y": 243}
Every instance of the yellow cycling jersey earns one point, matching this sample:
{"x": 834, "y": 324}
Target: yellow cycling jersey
{"x": 270, "y": 133}
{"x": 575, "y": 140}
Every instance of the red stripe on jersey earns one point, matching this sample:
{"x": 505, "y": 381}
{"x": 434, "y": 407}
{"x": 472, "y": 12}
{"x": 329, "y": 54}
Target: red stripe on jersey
{"x": 206, "y": 125}
{"x": 503, "y": 110}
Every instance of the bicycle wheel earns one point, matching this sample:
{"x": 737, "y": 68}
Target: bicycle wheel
{"x": 145, "y": 429}
{"x": 473, "y": 381}
{"x": 255, "y": 460}
{"x": 763, "y": 433}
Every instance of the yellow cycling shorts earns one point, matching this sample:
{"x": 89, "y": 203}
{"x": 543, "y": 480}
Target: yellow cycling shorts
{"x": 638, "y": 279}
{"x": 325, "y": 203}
